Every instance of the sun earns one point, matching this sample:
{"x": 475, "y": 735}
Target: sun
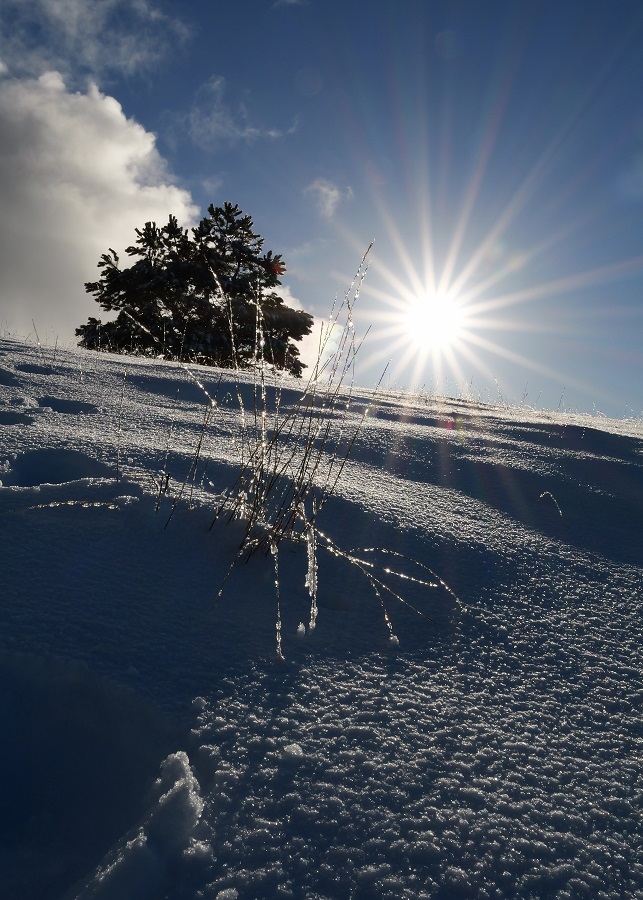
{"x": 424, "y": 327}
{"x": 433, "y": 321}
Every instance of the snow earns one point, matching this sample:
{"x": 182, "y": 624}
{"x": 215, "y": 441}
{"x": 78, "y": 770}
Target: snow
{"x": 155, "y": 746}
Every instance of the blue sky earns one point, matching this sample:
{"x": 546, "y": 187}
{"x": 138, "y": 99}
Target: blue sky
{"x": 492, "y": 150}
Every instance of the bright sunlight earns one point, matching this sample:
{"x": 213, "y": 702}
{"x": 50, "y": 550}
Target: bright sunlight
{"x": 433, "y": 321}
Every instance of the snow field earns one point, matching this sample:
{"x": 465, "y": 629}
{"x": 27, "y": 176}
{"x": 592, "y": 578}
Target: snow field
{"x": 158, "y": 749}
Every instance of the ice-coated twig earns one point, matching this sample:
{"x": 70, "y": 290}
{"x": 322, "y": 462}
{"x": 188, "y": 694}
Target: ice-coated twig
{"x": 553, "y": 499}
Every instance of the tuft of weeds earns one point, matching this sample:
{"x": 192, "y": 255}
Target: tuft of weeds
{"x": 293, "y": 456}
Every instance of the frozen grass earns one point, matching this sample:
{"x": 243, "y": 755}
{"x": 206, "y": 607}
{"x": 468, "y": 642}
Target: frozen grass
{"x": 292, "y": 457}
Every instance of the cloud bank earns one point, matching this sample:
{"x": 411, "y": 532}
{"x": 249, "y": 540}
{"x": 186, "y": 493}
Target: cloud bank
{"x": 76, "y": 177}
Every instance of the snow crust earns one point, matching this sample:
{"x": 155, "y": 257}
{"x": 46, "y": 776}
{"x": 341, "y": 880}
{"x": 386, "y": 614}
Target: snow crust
{"x": 154, "y": 745}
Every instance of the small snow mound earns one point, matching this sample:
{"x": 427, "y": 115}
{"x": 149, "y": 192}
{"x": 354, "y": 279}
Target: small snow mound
{"x": 179, "y": 807}
{"x": 54, "y": 466}
{"x": 228, "y": 894}
{"x": 135, "y": 867}
{"x": 293, "y": 752}
{"x": 301, "y": 629}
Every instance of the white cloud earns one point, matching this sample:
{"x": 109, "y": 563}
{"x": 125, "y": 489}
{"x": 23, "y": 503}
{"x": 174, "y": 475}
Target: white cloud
{"x": 309, "y": 345}
{"x": 76, "y": 177}
{"x": 213, "y": 121}
{"x": 285, "y": 292}
{"x": 327, "y": 196}
{"x": 99, "y": 36}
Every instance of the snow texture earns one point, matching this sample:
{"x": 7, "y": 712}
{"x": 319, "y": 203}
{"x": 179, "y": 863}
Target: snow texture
{"x": 154, "y": 746}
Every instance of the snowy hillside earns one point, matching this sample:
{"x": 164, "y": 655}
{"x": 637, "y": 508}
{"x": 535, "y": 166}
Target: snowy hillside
{"x": 155, "y": 747}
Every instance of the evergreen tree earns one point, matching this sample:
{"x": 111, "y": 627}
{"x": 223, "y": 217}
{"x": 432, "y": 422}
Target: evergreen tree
{"x": 207, "y": 295}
